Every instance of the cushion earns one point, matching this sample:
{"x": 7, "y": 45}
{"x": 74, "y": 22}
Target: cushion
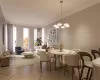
{"x": 89, "y": 63}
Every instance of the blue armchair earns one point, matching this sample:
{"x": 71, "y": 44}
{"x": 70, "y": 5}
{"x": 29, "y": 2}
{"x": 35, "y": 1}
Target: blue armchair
{"x": 19, "y": 50}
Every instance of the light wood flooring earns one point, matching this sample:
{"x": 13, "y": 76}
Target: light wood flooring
{"x": 32, "y": 72}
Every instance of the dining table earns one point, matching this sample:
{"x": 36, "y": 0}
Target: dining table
{"x": 59, "y": 56}
{"x": 96, "y": 69}
{"x": 63, "y": 52}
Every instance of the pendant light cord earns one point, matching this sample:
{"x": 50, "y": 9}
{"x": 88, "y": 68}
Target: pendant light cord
{"x": 61, "y": 10}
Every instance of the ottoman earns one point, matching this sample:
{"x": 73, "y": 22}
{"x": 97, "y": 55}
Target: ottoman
{"x": 28, "y": 54}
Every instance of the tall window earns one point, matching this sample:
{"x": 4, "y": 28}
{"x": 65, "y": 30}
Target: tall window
{"x": 43, "y": 35}
{"x": 35, "y": 36}
{"x": 26, "y": 38}
{"x": 14, "y": 38}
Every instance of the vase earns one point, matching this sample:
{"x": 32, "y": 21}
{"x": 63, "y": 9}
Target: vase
{"x": 60, "y": 49}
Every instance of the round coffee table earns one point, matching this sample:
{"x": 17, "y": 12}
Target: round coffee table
{"x": 28, "y": 54}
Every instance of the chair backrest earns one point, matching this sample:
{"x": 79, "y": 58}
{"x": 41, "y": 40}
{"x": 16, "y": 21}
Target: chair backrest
{"x": 76, "y": 50}
{"x": 95, "y": 53}
{"x": 72, "y": 60}
{"x": 83, "y": 55}
{"x": 44, "y": 56}
{"x": 18, "y": 48}
{"x": 99, "y": 49}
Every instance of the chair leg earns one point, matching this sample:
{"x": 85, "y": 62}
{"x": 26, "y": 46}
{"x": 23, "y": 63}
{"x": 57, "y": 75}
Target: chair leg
{"x": 81, "y": 73}
{"x": 91, "y": 74}
{"x": 41, "y": 66}
{"x": 55, "y": 61}
{"x": 47, "y": 64}
{"x": 88, "y": 74}
{"x": 72, "y": 72}
{"x": 50, "y": 65}
{"x": 64, "y": 69}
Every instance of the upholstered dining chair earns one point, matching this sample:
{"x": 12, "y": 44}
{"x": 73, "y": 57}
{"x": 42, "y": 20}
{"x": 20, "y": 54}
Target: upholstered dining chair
{"x": 99, "y": 49}
{"x": 76, "y": 50}
{"x": 95, "y": 53}
{"x": 86, "y": 64}
{"x": 44, "y": 57}
{"x": 72, "y": 61}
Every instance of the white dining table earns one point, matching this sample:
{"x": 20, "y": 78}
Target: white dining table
{"x": 96, "y": 69}
{"x": 57, "y": 51}
{"x": 58, "y": 54}
{"x": 63, "y": 52}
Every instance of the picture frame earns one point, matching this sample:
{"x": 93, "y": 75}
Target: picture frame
{"x": 52, "y": 37}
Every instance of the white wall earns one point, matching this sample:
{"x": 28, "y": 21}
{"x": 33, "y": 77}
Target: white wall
{"x": 1, "y": 42}
{"x": 31, "y": 38}
{"x": 10, "y": 37}
{"x": 39, "y": 32}
{"x": 19, "y": 39}
{"x": 1, "y": 26}
{"x": 84, "y": 31}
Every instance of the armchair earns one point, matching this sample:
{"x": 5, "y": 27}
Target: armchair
{"x": 19, "y": 50}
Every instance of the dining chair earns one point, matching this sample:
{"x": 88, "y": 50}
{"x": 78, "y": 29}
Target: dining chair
{"x": 86, "y": 64}
{"x": 95, "y": 53}
{"x": 72, "y": 61}
{"x": 99, "y": 49}
{"x": 44, "y": 57}
{"x": 54, "y": 58}
{"x": 76, "y": 50}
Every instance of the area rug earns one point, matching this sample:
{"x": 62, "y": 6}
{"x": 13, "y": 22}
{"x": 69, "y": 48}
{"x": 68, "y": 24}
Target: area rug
{"x": 19, "y": 60}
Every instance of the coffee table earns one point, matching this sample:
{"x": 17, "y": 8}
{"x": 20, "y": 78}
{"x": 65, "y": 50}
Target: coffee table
{"x": 28, "y": 54}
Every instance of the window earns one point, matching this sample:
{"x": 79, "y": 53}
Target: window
{"x": 35, "y": 36}
{"x": 43, "y": 36}
{"x": 14, "y": 38}
{"x": 26, "y": 38}
{"x": 6, "y": 37}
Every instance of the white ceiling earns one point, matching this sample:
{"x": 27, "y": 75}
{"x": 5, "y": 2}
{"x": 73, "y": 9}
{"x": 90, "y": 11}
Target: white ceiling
{"x": 38, "y": 13}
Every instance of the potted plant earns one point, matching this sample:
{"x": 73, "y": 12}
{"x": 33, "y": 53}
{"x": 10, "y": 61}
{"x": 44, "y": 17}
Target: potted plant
{"x": 38, "y": 42}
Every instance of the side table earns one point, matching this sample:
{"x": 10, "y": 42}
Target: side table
{"x": 4, "y": 61}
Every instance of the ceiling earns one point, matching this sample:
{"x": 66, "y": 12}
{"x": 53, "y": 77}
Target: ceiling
{"x": 38, "y": 13}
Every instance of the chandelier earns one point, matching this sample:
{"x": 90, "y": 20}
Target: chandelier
{"x": 61, "y": 24}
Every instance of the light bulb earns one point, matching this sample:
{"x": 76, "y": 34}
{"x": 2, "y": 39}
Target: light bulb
{"x": 56, "y": 26}
{"x": 62, "y": 26}
{"x": 59, "y": 24}
{"x": 66, "y": 25}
